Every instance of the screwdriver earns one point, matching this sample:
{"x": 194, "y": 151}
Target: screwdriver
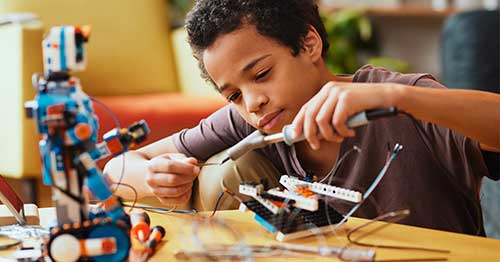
{"x": 258, "y": 140}
{"x": 156, "y": 235}
{"x": 140, "y": 225}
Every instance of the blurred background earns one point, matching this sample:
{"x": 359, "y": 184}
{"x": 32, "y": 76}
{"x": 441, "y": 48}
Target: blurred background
{"x": 141, "y": 66}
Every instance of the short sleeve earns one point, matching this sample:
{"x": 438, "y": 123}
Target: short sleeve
{"x": 219, "y": 131}
{"x": 469, "y": 148}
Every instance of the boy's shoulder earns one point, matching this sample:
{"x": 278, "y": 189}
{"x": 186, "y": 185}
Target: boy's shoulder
{"x": 371, "y": 74}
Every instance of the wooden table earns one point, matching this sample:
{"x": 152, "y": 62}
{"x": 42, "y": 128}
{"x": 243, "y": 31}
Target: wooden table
{"x": 180, "y": 230}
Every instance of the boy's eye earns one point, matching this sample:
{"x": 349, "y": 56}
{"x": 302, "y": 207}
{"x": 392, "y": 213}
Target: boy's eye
{"x": 262, "y": 74}
{"x": 234, "y": 96}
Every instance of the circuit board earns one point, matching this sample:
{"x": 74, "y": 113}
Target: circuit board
{"x": 295, "y": 223}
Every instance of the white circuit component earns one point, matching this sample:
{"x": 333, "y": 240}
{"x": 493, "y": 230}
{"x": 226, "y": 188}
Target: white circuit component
{"x": 251, "y": 190}
{"x": 254, "y": 191}
{"x": 268, "y": 204}
{"x": 341, "y": 193}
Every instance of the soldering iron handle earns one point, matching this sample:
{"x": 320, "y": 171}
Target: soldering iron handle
{"x": 359, "y": 119}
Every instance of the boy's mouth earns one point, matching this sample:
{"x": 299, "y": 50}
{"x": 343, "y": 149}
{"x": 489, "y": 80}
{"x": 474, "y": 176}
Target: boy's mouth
{"x": 269, "y": 120}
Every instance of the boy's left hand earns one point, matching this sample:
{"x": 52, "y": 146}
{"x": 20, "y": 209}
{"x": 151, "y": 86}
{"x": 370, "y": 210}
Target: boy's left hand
{"x": 327, "y": 112}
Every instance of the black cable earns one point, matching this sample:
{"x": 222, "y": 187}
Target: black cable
{"x": 217, "y": 203}
{"x": 426, "y": 140}
{"x": 136, "y": 195}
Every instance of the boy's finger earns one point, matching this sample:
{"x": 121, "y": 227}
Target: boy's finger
{"x": 175, "y": 191}
{"x": 168, "y": 180}
{"x": 339, "y": 122}
{"x": 310, "y": 124}
{"x": 165, "y": 165}
{"x": 325, "y": 116}
{"x": 298, "y": 122}
{"x": 176, "y": 200}
{"x": 311, "y": 131}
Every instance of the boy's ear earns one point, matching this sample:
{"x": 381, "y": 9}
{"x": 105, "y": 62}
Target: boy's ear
{"x": 313, "y": 45}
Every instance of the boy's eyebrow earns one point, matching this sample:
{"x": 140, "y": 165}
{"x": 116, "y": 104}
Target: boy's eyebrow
{"x": 246, "y": 68}
{"x": 253, "y": 63}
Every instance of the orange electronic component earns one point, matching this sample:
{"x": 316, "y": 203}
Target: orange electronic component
{"x": 140, "y": 225}
{"x": 277, "y": 203}
{"x": 304, "y": 191}
{"x": 157, "y": 233}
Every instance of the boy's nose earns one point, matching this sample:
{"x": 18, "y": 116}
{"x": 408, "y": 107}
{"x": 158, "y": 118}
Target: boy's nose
{"x": 254, "y": 102}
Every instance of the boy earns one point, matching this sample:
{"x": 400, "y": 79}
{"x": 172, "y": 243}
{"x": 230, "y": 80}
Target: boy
{"x": 266, "y": 58}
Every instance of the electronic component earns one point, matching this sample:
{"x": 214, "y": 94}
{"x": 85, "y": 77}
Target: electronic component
{"x": 140, "y": 222}
{"x": 155, "y": 237}
{"x": 295, "y": 213}
{"x": 294, "y": 224}
{"x": 324, "y": 189}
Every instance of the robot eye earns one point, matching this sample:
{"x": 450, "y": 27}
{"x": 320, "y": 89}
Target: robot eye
{"x": 79, "y": 40}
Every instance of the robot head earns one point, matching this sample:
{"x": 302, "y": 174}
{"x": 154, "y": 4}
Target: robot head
{"x": 63, "y": 49}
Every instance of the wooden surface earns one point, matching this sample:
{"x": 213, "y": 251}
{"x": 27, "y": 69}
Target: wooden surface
{"x": 180, "y": 230}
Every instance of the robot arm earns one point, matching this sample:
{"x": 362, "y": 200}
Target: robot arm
{"x": 118, "y": 141}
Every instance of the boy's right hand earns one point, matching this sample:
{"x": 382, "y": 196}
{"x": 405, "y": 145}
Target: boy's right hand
{"x": 171, "y": 177}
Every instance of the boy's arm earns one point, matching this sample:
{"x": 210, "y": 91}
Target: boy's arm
{"x": 475, "y": 114}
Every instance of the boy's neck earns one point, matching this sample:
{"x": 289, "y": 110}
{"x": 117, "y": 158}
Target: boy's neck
{"x": 327, "y": 76}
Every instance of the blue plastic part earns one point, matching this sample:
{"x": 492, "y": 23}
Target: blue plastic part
{"x": 99, "y": 188}
{"x": 264, "y": 223}
{"x": 62, "y": 50}
{"x": 122, "y": 242}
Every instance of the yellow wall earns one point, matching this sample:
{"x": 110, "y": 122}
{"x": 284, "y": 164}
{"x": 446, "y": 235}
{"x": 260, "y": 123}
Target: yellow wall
{"x": 129, "y": 51}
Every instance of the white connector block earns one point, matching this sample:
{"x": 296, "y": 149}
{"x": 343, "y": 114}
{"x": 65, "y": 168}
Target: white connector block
{"x": 341, "y": 193}
{"x": 251, "y": 190}
{"x": 268, "y": 204}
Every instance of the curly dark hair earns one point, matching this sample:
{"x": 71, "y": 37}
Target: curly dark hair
{"x": 286, "y": 21}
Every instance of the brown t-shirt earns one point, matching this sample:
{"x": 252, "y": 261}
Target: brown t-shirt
{"x": 416, "y": 179}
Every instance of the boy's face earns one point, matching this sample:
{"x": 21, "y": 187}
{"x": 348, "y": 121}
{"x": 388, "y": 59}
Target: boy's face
{"x": 261, "y": 77}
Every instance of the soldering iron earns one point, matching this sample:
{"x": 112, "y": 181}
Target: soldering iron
{"x": 258, "y": 140}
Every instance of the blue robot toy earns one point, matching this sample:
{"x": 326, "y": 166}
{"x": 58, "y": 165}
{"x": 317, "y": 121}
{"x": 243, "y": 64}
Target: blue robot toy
{"x": 69, "y": 151}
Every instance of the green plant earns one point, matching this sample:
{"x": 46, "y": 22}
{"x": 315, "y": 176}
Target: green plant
{"x": 353, "y": 43}
{"x": 178, "y": 11}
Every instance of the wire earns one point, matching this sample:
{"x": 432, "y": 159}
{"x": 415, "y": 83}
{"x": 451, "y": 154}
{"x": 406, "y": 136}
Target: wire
{"x": 426, "y": 140}
{"x": 135, "y": 193}
{"x": 217, "y": 203}
{"x": 164, "y": 210}
{"x": 119, "y": 126}
{"x": 336, "y": 166}
{"x": 392, "y": 217}
{"x": 395, "y": 152}
{"x": 108, "y": 109}
{"x": 229, "y": 191}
